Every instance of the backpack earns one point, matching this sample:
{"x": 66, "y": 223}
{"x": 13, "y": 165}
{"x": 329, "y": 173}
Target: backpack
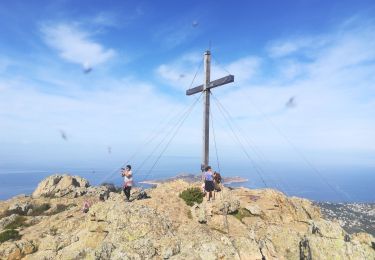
{"x": 217, "y": 177}
{"x": 142, "y": 195}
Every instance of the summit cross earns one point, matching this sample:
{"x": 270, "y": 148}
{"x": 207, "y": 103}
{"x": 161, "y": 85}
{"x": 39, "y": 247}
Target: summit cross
{"x": 206, "y": 89}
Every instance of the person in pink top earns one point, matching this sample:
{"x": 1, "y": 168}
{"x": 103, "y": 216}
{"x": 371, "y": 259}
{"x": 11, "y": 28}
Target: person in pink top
{"x": 128, "y": 180}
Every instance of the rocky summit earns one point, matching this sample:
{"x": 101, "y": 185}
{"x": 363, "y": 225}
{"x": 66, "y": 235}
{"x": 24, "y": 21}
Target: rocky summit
{"x": 66, "y": 218}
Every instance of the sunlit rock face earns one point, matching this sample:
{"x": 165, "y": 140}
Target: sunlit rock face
{"x": 238, "y": 224}
{"x": 61, "y": 186}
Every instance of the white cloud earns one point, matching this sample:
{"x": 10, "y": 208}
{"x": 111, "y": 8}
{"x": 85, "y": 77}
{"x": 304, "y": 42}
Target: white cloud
{"x": 333, "y": 85}
{"x": 121, "y": 113}
{"x": 290, "y": 69}
{"x": 74, "y": 45}
{"x": 286, "y": 47}
{"x": 180, "y": 72}
{"x": 187, "y": 65}
{"x": 334, "y": 92}
{"x": 333, "y": 120}
{"x": 244, "y": 68}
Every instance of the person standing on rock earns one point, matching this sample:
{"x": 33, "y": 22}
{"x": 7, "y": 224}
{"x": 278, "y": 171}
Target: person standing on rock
{"x": 209, "y": 182}
{"x": 217, "y": 182}
{"x": 128, "y": 180}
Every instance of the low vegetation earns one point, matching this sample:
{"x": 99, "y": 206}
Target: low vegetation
{"x": 192, "y": 195}
{"x": 6, "y": 213}
{"x": 40, "y": 209}
{"x": 61, "y": 207}
{"x": 19, "y": 221}
{"x": 53, "y": 231}
{"x": 9, "y": 234}
{"x": 50, "y": 195}
{"x": 241, "y": 213}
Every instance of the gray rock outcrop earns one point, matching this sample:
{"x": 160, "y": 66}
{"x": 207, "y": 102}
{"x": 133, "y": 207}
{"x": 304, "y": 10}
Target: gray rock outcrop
{"x": 7, "y": 220}
{"x": 20, "y": 208}
{"x": 61, "y": 186}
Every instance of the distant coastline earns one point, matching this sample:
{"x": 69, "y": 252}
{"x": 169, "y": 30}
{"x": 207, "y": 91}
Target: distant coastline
{"x": 194, "y": 178}
{"x": 355, "y": 183}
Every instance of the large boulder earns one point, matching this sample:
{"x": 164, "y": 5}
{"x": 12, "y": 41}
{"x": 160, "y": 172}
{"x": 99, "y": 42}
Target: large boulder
{"x": 199, "y": 212}
{"x": 61, "y": 186}
{"x": 254, "y": 210}
{"x": 17, "y": 250}
{"x": 225, "y": 205}
{"x": 101, "y": 192}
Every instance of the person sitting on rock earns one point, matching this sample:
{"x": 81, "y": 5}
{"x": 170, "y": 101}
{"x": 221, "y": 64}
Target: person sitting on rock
{"x": 128, "y": 180}
{"x": 208, "y": 182}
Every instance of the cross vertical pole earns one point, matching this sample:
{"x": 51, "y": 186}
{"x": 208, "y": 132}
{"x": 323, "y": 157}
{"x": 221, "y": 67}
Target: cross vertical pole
{"x": 206, "y": 109}
{"x": 205, "y": 88}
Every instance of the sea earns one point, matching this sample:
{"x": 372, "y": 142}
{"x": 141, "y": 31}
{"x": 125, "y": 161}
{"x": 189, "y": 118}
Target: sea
{"x": 327, "y": 184}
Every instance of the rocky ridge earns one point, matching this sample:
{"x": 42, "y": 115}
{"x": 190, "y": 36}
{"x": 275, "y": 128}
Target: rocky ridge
{"x": 239, "y": 224}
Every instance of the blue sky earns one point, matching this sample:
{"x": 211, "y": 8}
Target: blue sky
{"x": 143, "y": 56}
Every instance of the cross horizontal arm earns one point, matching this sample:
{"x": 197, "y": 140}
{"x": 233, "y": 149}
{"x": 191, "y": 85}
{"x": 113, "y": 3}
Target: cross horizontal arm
{"x": 195, "y": 90}
{"x": 213, "y": 84}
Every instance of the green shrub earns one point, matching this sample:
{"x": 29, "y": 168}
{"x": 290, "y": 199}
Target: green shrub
{"x": 192, "y": 195}
{"x": 241, "y": 213}
{"x": 6, "y": 213}
{"x": 8, "y": 235}
{"x": 19, "y": 221}
{"x": 40, "y": 209}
